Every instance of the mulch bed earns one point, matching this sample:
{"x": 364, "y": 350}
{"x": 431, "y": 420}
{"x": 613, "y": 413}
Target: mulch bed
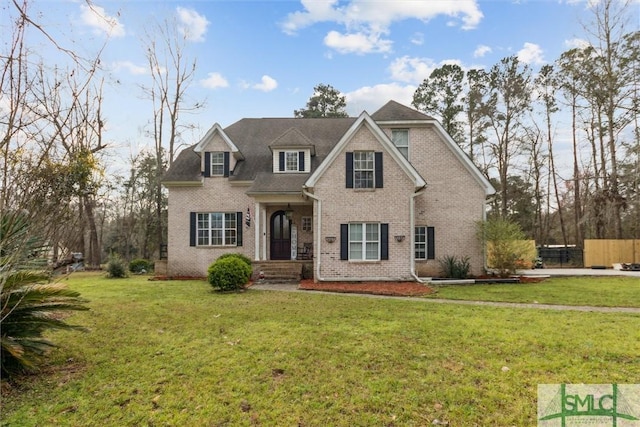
{"x": 405, "y": 289}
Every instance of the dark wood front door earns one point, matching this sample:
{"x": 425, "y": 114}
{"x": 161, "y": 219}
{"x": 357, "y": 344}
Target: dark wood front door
{"x": 280, "y": 236}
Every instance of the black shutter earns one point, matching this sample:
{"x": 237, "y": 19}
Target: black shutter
{"x": 344, "y": 242}
{"x": 192, "y": 229}
{"x": 238, "y": 228}
{"x": 431, "y": 244}
{"x": 384, "y": 241}
{"x": 226, "y": 163}
{"x": 349, "y": 170}
{"x": 301, "y": 161}
{"x": 281, "y": 162}
{"x": 378, "y": 172}
{"x": 207, "y": 164}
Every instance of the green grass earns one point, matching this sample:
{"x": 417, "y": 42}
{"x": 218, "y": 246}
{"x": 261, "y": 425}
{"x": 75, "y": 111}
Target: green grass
{"x": 176, "y": 353}
{"x": 592, "y": 291}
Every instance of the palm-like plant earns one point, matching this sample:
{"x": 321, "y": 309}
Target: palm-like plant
{"x": 29, "y": 304}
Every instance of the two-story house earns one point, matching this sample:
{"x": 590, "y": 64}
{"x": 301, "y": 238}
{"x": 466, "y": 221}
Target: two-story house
{"x": 375, "y": 197}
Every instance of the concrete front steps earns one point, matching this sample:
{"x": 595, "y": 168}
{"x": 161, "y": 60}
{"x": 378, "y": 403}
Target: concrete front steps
{"x": 277, "y": 271}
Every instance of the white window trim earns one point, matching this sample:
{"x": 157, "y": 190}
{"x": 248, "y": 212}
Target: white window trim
{"x": 233, "y": 240}
{"x": 364, "y": 242}
{"x": 215, "y": 164}
{"x": 422, "y": 245}
{"x": 372, "y": 170}
{"x": 291, "y": 154}
{"x": 309, "y": 225}
{"x": 401, "y": 146}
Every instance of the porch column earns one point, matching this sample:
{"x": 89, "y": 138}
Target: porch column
{"x": 256, "y": 231}
{"x": 263, "y": 237}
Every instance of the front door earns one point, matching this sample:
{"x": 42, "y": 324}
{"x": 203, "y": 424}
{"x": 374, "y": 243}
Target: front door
{"x": 280, "y": 236}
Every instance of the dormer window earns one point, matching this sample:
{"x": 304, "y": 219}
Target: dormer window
{"x": 216, "y": 163}
{"x": 291, "y": 161}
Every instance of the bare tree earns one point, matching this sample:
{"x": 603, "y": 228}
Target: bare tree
{"x": 172, "y": 73}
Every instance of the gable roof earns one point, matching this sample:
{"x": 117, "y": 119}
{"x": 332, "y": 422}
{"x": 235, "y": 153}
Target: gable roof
{"x": 365, "y": 120}
{"x": 394, "y": 111}
{"x": 293, "y": 138}
{"x": 251, "y": 141}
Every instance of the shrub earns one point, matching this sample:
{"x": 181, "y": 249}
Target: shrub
{"x": 505, "y": 243}
{"x": 139, "y": 266}
{"x": 116, "y": 267}
{"x": 455, "y": 267}
{"x": 229, "y": 273}
{"x": 30, "y": 306}
{"x": 242, "y": 257}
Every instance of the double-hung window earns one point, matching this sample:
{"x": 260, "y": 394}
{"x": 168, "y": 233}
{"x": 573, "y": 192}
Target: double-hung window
{"x": 291, "y": 161}
{"x": 420, "y": 241}
{"x": 217, "y": 164}
{"x": 400, "y": 138}
{"x": 424, "y": 243}
{"x": 364, "y": 241}
{"x": 217, "y": 229}
{"x": 363, "y": 169}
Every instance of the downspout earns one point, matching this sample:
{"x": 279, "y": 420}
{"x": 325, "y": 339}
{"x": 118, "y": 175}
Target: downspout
{"x": 412, "y": 225}
{"x": 484, "y": 239}
{"x": 318, "y": 234}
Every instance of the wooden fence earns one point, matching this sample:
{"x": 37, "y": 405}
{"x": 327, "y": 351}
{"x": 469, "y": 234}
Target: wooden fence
{"x": 603, "y": 252}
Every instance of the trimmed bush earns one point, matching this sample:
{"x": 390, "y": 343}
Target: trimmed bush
{"x": 116, "y": 267}
{"x": 229, "y": 273}
{"x": 240, "y": 256}
{"x": 454, "y": 267}
{"x": 139, "y": 266}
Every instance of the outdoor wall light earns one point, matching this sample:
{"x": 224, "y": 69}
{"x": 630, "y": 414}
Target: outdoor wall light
{"x": 399, "y": 238}
{"x": 330, "y": 239}
{"x": 289, "y": 212}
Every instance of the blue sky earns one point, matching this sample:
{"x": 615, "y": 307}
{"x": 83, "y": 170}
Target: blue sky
{"x": 263, "y": 58}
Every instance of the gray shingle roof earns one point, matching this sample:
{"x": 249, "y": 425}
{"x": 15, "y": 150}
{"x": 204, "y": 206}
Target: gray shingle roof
{"x": 254, "y": 137}
{"x": 393, "y": 111}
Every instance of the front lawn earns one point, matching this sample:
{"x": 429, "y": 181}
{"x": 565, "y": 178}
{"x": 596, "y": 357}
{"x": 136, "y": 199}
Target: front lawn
{"x": 176, "y": 353}
{"x": 590, "y": 290}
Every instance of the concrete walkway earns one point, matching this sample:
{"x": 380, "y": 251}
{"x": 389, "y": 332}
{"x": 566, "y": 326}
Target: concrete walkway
{"x": 293, "y": 287}
{"x": 578, "y": 272}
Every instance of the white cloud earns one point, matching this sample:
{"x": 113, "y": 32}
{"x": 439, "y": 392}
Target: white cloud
{"x": 369, "y": 20}
{"x": 371, "y": 98}
{"x": 531, "y": 54}
{"x": 414, "y": 70}
{"x": 96, "y": 18}
{"x": 214, "y": 81}
{"x": 411, "y": 70}
{"x": 267, "y": 84}
{"x": 194, "y": 26}
{"x": 576, "y": 43}
{"x": 130, "y": 67}
{"x": 357, "y": 43}
{"x": 417, "y": 39}
{"x": 481, "y": 51}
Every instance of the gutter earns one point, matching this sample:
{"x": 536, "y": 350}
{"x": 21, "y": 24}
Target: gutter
{"x": 412, "y": 220}
{"x": 318, "y": 234}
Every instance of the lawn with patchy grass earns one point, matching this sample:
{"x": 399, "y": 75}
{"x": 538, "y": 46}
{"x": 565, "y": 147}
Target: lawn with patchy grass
{"x": 177, "y": 353}
{"x": 590, "y": 290}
